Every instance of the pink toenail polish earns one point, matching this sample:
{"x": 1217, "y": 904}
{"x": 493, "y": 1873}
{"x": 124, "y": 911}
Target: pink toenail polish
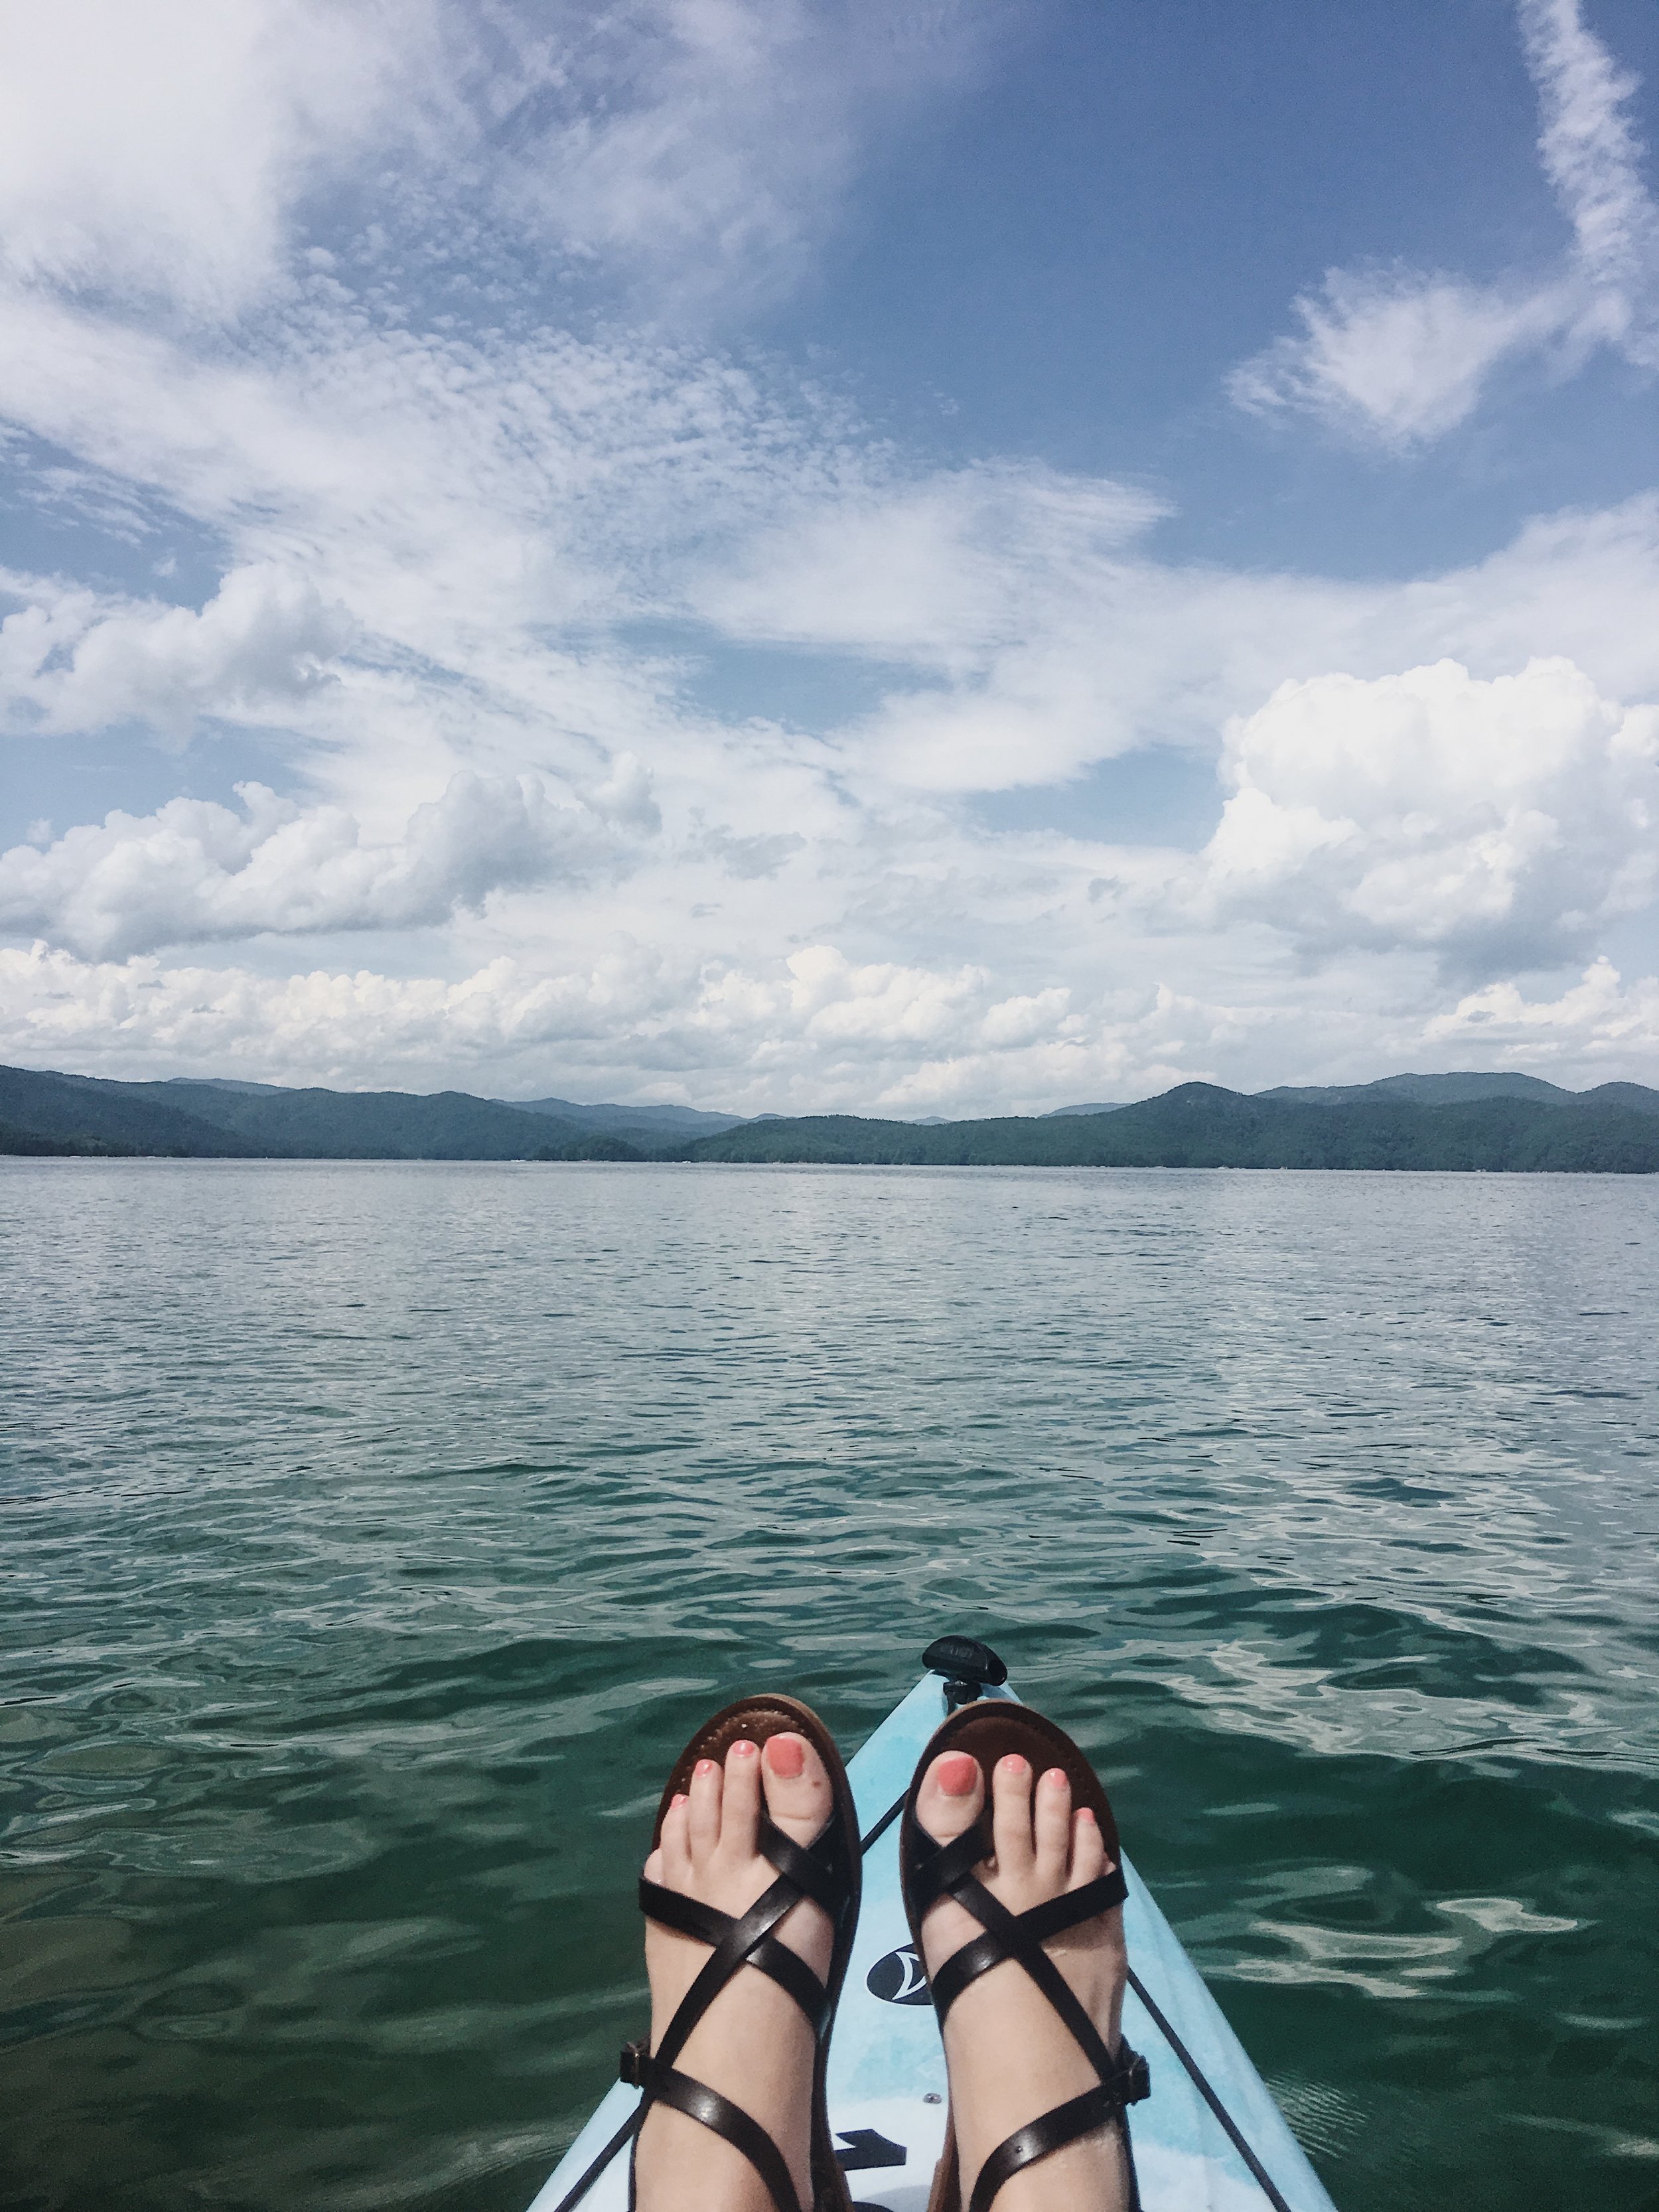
{"x": 1054, "y": 1778}
{"x": 743, "y": 1748}
{"x": 957, "y": 1774}
{"x": 706, "y": 1766}
{"x": 1084, "y": 1814}
{"x": 1013, "y": 1763}
{"x": 786, "y": 1756}
{"x": 679, "y": 1798}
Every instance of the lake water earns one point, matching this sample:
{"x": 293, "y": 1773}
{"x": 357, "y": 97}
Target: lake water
{"x": 374, "y": 1535}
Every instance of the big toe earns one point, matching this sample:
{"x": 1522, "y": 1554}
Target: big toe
{"x": 951, "y": 1795}
{"x": 799, "y": 1797}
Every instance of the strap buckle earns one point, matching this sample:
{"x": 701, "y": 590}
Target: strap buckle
{"x": 630, "y": 2066}
{"x": 1134, "y": 2076}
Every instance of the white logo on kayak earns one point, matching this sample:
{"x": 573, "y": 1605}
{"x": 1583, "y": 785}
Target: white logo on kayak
{"x": 898, "y": 1978}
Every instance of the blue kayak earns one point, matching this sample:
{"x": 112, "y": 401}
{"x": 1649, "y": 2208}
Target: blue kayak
{"x": 1209, "y": 2139}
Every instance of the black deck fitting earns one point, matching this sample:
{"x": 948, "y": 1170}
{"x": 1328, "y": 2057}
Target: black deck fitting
{"x": 969, "y": 1668}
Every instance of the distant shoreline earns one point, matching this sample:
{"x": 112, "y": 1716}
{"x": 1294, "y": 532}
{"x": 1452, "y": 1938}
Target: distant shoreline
{"x": 1448, "y": 1124}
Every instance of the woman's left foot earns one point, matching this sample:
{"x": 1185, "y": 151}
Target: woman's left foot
{"x": 754, "y": 2044}
{"x": 1009, "y": 2056}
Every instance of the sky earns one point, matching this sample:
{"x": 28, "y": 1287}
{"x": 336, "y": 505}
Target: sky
{"x": 793, "y": 555}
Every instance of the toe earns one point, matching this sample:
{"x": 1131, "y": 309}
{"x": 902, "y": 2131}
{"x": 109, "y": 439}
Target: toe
{"x": 671, "y": 1862}
{"x": 1051, "y": 1821}
{"x": 703, "y": 1811}
{"x": 951, "y": 1795}
{"x": 1011, "y": 1814}
{"x": 1088, "y": 1849}
{"x": 740, "y": 1800}
{"x": 797, "y": 1793}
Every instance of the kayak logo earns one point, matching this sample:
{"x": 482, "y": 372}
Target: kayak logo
{"x": 898, "y": 1978}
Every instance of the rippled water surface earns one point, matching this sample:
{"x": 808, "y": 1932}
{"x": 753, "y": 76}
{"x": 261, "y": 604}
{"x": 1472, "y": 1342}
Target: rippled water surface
{"x": 374, "y": 1535}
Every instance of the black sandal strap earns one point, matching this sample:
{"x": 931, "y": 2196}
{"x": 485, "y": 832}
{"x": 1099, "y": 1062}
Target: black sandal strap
{"x": 1094, "y": 2109}
{"x": 723, "y": 1961}
{"x": 688, "y": 1916}
{"x": 981, "y": 1953}
{"x": 663, "y": 2085}
{"x": 1104, "y": 2105}
{"x": 816, "y": 1869}
{"x": 1076, "y": 1905}
{"x": 1007, "y": 1938}
{"x": 938, "y": 1870}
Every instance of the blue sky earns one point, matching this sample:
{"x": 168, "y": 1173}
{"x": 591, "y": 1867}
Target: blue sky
{"x": 916, "y": 559}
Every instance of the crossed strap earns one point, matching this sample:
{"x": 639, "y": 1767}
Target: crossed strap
{"x": 947, "y": 1870}
{"x": 815, "y": 1871}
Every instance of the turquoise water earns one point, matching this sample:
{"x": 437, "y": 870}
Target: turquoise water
{"x": 375, "y": 1534}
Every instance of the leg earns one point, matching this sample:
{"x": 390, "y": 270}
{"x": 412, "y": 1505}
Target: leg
{"x": 754, "y": 2044}
{"x": 1009, "y": 2055}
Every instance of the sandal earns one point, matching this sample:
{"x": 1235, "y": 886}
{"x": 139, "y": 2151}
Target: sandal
{"x": 988, "y": 1731}
{"x": 828, "y": 1872}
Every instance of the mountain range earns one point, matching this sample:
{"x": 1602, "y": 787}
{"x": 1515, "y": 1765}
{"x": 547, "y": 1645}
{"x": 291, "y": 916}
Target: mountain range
{"x": 1460, "y": 1121}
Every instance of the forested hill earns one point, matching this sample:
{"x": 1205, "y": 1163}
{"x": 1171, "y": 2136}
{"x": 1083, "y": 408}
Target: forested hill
{"x": 1461, "y": 1121}
{"x": 1200, "y": 1126}
{"x": 214, "y": 1119}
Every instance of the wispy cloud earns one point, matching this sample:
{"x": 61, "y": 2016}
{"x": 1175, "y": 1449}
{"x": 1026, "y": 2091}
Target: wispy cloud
{"x": 1592, "y": 157}
{"x": 703, "y": 147}
{"x": 157, "y": 155}
{"x": 1401, "y": 357}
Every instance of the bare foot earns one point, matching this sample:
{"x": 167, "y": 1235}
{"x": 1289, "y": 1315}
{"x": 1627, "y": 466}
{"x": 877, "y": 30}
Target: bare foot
{"x": 753, "y": 2043}
{"x": 1009, "y": 2056}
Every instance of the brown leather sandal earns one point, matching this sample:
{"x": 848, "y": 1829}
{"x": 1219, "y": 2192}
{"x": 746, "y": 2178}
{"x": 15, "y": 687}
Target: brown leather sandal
{"x": 828, "y": 1871}
{"x": 987, "y": 1731}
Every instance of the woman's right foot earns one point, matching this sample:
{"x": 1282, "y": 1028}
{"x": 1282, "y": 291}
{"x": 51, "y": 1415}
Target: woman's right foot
{"x": 1009, "y": 2056}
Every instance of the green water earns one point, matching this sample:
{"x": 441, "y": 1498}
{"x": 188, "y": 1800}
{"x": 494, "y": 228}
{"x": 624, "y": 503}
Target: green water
{"x": 375, "y": 1534}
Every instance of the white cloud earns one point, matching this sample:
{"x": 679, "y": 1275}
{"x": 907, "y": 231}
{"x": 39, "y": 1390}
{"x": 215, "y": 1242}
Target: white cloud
{"x": 169, "y": 157}
{"x": 1504, "y": 820}
{"x": 156, "y": 151}
{"x": 1396, "y": 355}
{"x": 262, "y": 644}
{"x": 195, "y": 871}
{"x": 1402, "y": 357}
{"x": 1592, "y": 158}
{"x": 443, "y": 542}
{"x": 1600, "y": 1026}
{"x": 1028, "y": 637}
{"x": 814, "y": 1030}
{"x": 706, "y": 144}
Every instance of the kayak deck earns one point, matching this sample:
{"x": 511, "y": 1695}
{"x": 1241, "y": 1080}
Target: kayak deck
{"x": 886, "y": 2074}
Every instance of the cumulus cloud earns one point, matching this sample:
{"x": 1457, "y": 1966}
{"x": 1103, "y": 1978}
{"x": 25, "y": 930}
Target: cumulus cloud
{"x": 1491, "y": 821}
{"x": 1599, "y": 1023}
{"x": 815, "y": 1032}
{"x": 1402, "y": 357}
{"x": 263, "y": 642}
{"x": 195, "y": 871}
